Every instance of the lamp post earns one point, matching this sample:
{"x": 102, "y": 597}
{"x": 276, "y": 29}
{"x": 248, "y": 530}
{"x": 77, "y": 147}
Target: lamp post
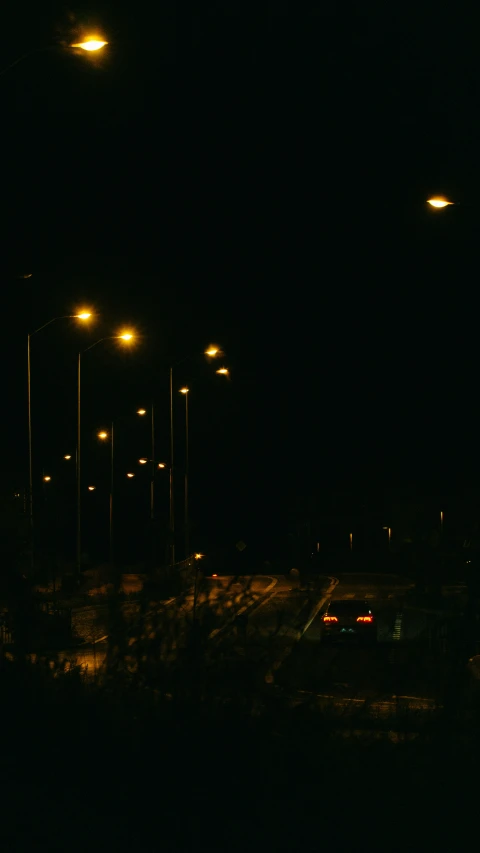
{"x": 83, "y": 315}
{"x": 185, "y": 391}
{"x": 104, "y": 435}
{"x": 124, "y": 336}
{"x": 152, "y": 478}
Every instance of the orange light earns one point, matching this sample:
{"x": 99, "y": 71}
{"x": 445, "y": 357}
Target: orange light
{"x": 47, "y": 479}
{"x": 365, "y": 619}
{"x": 91, "y": 488}
{"x": 162, "y": 465}
{"x": 438, "y": 202}
{"x": 67, "y": 456}
{"x": 129, "y": 475}
{"x": 223, "y": 371}
{"x": 330, "y": 619}
{"x": 141, "y": 411}
{"x": 214, "y": 576}
{"x": 143, "y": 461}
{"x": 184, "y": 390}
{"x": 102, "y": 435}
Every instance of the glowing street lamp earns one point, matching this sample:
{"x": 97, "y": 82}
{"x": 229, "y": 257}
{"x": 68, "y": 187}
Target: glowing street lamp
{"x": 91, "y": 488}
{"x": 130, "y": 475}
{"x": 143, "y": 461}
{"x": 68, "y": 456}
{"x": 213, "y": 351}
{"x": 46, "y": 478}
{"x": 439, "y": 202}
{"x": 223, "y": 371}
{"x": 90, "y": 44}
{"x": 103, "y": 435}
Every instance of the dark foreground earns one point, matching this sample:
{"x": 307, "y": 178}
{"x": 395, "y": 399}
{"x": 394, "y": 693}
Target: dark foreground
{"x": 118, "y": 768}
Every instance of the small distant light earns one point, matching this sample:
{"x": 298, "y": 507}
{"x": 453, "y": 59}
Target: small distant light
{"x": 213, "y": 350}
{"x": 91, "y": 488}
{"x": 214, "y": 576}
{"x": 224, "y": 371}
{"x": 184, "y": 390}
{"x": 141, "y": 411}
{"x": 68, "y": 456}
{"x": 47, "y": 479}
{"x": 84, "y": 315}
{"x": 126, "y": 336}
{"x": 162, "y": 465}
{"x": 199, "y": 556}
{"x": 102, "y": 434}
{"x": 130, "y": 475}
{"x": 143, "y": 461}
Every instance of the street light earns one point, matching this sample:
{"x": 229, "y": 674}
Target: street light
{"x": 439, "y": 202}
{"x": 126, "y": 336}
{"x": 68, "y": 456}
{"x": 47, "y": 478}
{"x": 82, "y": 315}
{"x": 211, "y": 352}
{"x": 130, "y": 475}
{"x": 223, "y": 371}
{"x": 90, "y": 44}
{"x": 103, "y": 435}
{"x": 91, "y": 488}
{"x": 185, "y": 391}
{"x": 143, "y": 412}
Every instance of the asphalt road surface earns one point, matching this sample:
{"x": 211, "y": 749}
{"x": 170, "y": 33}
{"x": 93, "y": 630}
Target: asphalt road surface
{"x": 395, "y": 666}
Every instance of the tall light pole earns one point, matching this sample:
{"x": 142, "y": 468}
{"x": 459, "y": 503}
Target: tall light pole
{"x": 124, "y": 336}
{"x": 172, "y": 501}
{"x": 212, "y": 352}
{"x": 185, "y": 391}
{"x": 152, "y": 477}
{"x": 83, "y": 315}
{"x": 104, "y": 435}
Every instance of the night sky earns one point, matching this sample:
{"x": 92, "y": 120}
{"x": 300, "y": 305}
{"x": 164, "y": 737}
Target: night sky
{"x": 255, "y": 180}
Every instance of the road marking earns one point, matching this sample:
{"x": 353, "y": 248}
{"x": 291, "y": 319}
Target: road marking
{"x": 397, "y": 628}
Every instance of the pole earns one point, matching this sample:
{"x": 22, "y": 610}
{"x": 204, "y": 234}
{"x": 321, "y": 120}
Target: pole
{"x": 110, "y": 525}
{"x": 152, "y": 476}
{"x": 79, "y": 493}
{"x": 172, "y": 510}
{"x": 30, "y": 468}
{"x": 152, "y": 494}
{"x": 187, "y": 520}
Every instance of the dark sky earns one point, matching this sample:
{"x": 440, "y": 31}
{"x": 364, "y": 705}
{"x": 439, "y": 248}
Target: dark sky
{"x": 258, "y": 179}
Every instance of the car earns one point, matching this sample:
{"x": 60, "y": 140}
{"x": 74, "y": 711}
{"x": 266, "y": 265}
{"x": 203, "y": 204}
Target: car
{"x": 349, "y": 619}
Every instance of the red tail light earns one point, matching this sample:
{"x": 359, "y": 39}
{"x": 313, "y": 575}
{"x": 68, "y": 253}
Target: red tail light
{"x": 330, "y": 619}
{"x": 365, "y": 619}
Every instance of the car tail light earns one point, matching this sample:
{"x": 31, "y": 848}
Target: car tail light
{"x": 365, "y": 619}
{"x": 330, "y": 619}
